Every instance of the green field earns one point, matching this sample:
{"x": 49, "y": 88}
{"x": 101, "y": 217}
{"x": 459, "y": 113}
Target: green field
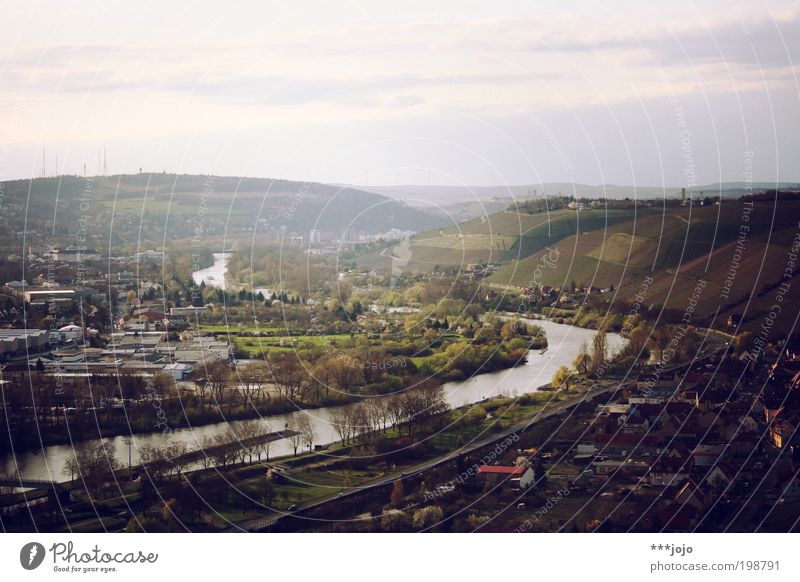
{"x": 257, "y": 346}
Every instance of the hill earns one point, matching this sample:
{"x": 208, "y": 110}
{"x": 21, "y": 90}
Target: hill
{"x": 740, "y": 252}
{"x": 444, "y": 196}
{"x": 501, "y": 238}
{"x": 168, "y": 206}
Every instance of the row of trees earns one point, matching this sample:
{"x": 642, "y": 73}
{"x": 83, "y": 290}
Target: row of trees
{"x": 95, "y": 463}
{"x": 409, "y": 410}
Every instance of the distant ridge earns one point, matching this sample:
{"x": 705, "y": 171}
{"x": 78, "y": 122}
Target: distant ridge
{"x": 418, "y": 195}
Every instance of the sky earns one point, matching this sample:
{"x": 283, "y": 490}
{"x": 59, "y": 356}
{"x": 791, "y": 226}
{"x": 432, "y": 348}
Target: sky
{"x": 657, "y": 93}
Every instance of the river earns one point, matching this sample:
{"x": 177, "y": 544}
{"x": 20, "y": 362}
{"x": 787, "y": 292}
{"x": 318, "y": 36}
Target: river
{"x": 564, "y": 343}
{"x": 214, "y": 275}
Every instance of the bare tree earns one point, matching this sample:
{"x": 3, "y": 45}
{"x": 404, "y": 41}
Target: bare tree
{"x": 71, "y": 467}
{"x": 217, "y": 375}
{"x": 377, "y": 413}
{"x": 253, "y": 380}
{"x": 263, "y": 444}
{"x": 306, "y": 428}
{"x": 292, "y": 380}
{"x": 163, "y": 461}
{"x": 295, "y": 437}
{"x": 422, "y": 403}
{"x": 345, "y": 374}
{"x": 97, "y": 464}
{"x": 340, "y": 420}
{"x": 224, "y": 451}
{"x": 359, "y": 420}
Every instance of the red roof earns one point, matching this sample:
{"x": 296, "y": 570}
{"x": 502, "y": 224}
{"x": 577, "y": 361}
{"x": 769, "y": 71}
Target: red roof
{"x": 502, "y": 470}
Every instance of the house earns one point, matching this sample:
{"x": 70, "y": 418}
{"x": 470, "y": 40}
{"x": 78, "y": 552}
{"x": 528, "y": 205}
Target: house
{"x": 720, "y": 476}
{"x": 519, "y": 475}
{"x": 179, "y": 371}
{"x": 626, "y": 466}
{"x": 693, "y": 494}
{"x": 705, "y": 455}
{"x": 148, "y": 314}
{"x": 781, "y": 432}
{"x": 625, "y": 443}
{"x": 669, "y": 471}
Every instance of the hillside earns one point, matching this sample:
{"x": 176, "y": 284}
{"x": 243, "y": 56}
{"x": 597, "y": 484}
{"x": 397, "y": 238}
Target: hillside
{"x": 677, "y": 249}
{"x": 166, "y": 206}
{"x": 499, "y": 238}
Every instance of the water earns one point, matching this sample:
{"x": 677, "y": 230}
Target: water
{"x": 564, "y": 343}
{"x": 215, "y": 274}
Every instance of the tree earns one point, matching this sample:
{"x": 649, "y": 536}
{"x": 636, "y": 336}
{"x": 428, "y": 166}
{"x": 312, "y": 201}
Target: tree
{"x": 253, "y": 379}
{"x": 97, "y": 463}
{"x": 262, "y": 444}
{"x": 583, "y": 360}
{"x": 395, "y": 520}
{"x": 599, "y": 350}
{"x": 420, "y": 404}
{"x": 743, "y": 343}
{"x": 509, "y": 330}
{"x": 217, "y": 374}
{"x": 659, "y": 340}
{"x": 71, "y": 467}
{"x": 306, "y": 428}
{"x": 427, "y": 517}
{"x": 295, "y": 437}
{"x": 163, "y": 461}
{"x": 637, "y": 340}
{"x": 398, "y": 493}
{"x": 340, "y": 420}
{"x": 562, "y": 378}
{"x": 290, "y": 376}
{"x": 345, "y": 374}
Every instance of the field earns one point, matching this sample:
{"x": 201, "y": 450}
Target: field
{"x": 258, "y": 346}
{"x": 496, "y": 239}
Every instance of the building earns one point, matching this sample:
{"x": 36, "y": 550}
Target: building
{"x": 43, "y": 296}
{"x": 74, "y": 254}
{"x": 179, "y": 371}
{"x": 68, "y": 333}
{"x": 149, "y": 254}
{"x": 670, "y": 471}
{"x": 515, "y": 475}
{"x": 21, "y": 342}
{"x": 780, "y": 432}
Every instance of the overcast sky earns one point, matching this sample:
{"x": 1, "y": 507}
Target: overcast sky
{"x": 378, "y": 92}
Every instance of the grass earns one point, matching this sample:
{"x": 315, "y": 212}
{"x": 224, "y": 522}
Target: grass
{"x": 238, "y": 327}
{"x": 256, "y": 346}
